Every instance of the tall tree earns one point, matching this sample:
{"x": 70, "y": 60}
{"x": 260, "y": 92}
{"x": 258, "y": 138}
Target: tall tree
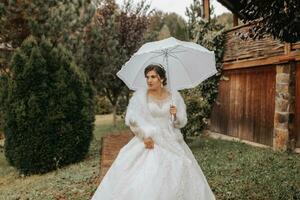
{"x": 225, "y": 19}
{"x": 155, "y": 25}
{"x": 159, "y": 22}
{"x": 194, "y": 14}
{"x": 112, "y": 38}
{"x": 164, "y": 33}
{"x": 176, "y": 25}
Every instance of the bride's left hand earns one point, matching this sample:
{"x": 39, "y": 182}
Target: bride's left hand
{"x": 173, "y": 110}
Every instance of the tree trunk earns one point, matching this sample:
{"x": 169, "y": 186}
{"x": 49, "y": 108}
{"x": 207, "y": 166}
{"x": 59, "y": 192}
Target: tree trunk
{"x": 114, "y": 115}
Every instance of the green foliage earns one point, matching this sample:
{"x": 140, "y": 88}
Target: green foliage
{"x": 164, "y": 33}
{"x": 56, "y": 19}
{"x": 102, "y": 106}
{"x": 194, "y": 14}
{"x": 278, "y": 18}
{"x": 225, "y": 19}
{"x": 176, "y": 25}
{"x": 110, "y": 40}
{"x": 49, "y": 115}
{"x": 3, "y": 98}
{"x": 163, "y": 25}
{"x": 198, "y": 110}
{"x": 62, "y": 22}
{"x": 210, "y": 35}
{"x": 199, "y": 100}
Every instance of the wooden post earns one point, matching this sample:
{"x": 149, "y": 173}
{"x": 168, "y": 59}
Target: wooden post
{"x": 287, "y": 48}
{"x": 235, "y": 20}
{"x": 206, "y": 6}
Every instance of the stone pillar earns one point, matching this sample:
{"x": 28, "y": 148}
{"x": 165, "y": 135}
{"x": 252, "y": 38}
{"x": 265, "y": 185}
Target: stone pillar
{"x": 284, "y": 107}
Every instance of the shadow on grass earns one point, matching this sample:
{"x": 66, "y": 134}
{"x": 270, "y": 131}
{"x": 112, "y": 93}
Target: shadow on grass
{"x": 238, "y": 171}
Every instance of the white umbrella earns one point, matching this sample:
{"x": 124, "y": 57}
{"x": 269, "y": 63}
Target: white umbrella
{"x": 187, "y": 64}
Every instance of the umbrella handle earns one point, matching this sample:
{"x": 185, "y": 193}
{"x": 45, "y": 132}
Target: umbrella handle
{"x": 172, "y": 118}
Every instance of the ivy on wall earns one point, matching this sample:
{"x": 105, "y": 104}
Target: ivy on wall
{"x": 280, "y": 18}
{"x": 199, "y": 100}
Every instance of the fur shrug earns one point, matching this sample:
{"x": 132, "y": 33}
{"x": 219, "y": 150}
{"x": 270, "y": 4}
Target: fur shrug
{"x": 141, "y": 122}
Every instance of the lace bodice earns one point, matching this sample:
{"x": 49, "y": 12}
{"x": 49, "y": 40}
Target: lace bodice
{"x": 160, "y": 110}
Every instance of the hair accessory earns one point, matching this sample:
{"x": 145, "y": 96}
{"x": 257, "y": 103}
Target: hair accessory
{"x": 160, "y": 66}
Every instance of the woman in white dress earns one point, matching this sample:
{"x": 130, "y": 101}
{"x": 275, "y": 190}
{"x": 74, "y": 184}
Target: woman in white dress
{"x": 156, "y": 164}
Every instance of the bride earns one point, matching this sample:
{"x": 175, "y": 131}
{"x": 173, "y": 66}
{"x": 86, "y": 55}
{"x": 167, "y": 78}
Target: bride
{"x": 156, "y": 164}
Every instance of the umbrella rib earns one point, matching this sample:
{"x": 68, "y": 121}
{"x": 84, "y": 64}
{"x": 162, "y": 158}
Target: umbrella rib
{"x": 169, "y": 50}
{"x": 160, "y": 52}
{"x": 178, "y": 51}
{"x": 174, "y": 48}
{"x": 174, "y": 56}
{"x": 142, "y": 67}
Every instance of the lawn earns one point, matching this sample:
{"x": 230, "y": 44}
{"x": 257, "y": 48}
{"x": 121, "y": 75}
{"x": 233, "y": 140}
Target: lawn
{"x": 234, "y": 171}
{"x": 77, "y": 181}
{"x": 237, "y": 171}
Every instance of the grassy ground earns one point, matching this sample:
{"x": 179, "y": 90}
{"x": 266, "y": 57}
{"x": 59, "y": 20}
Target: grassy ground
{"x": 77, "y": 181}
{"x": 238, "y": 171}
{"x": 234, "y": 171}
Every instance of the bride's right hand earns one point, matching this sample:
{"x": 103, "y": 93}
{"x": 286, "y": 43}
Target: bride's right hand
{"x": 149, "y": 143}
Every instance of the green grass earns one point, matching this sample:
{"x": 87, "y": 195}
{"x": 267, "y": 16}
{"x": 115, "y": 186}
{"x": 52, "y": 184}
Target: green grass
{"x": 77, "y": 181}
{"x": 234, "y": 170}
{"x": 238, "y": 171}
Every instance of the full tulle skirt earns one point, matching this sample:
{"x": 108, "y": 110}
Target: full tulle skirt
{"x": 169, "y": 171}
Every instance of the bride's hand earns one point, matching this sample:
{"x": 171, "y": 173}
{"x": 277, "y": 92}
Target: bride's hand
{"x": 173, "y": 110}
{"x": 149, "y": 144}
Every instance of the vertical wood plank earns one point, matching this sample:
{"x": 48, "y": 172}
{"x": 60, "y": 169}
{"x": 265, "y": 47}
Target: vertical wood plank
{"x": 247, "y": 105}
{"x": 235, "y": 20}
{"x": 297, "y": 108}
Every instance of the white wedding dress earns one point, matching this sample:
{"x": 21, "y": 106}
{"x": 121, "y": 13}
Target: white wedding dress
{"x": 169, "y": 171}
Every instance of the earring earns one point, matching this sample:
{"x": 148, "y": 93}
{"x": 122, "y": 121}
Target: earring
{"x": 161, "y": 85}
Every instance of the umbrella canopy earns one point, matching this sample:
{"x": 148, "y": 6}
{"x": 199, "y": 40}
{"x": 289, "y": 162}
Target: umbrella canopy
{"x": 187, "y": 64}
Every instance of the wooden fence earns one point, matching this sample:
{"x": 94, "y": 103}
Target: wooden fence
{"x": 245, "y": 105}
{"x": 250, "y": 101}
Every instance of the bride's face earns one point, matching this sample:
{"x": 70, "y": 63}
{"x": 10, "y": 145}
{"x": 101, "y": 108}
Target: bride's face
{"x": 153, "y": 80}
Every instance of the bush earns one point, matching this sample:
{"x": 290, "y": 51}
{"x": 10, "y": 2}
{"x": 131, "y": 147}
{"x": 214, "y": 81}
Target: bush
{"x": 49, "y": 117}
{"x": 102, "y": 106}
{"x": 3, "y": 98}
{"x": 198, "y": 110}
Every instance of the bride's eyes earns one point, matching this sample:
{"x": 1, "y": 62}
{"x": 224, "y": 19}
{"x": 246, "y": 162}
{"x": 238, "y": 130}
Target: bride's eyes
{"x": 152, "y": 76}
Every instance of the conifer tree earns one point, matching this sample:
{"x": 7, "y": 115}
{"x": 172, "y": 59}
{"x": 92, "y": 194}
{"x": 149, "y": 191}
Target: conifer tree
{"x": 49, "y": 113}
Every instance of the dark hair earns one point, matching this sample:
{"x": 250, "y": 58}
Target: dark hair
{"x": 159, "y": 70}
